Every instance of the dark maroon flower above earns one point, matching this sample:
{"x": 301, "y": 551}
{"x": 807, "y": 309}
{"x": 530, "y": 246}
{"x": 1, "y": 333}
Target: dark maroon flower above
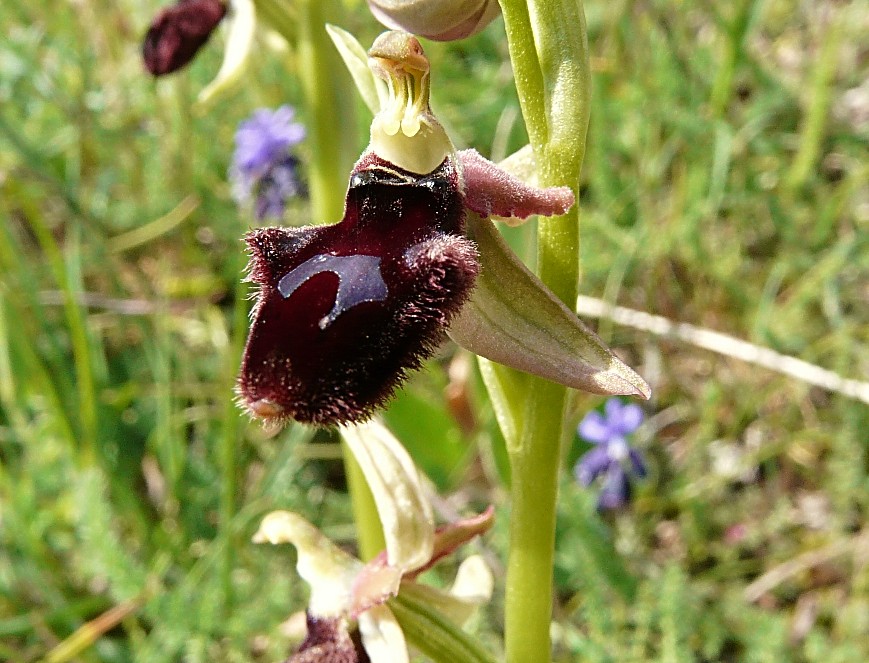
{"x": 344, "y": 311}
{"x": 178, "y": 32}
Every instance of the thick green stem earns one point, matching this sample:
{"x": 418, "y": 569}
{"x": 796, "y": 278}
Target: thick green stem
{"x": 535, "y": 467}
{"x": 549, "y": 52}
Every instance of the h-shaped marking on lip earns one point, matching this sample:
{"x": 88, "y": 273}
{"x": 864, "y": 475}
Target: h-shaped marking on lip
{"x": 359, "y": 281}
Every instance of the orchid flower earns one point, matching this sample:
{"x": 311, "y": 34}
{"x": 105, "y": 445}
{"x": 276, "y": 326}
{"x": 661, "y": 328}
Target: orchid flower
{"x": 347, "y": 592}
{"x": 344, "y": 311}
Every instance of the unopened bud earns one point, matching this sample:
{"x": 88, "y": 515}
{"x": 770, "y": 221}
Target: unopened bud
{"x": 178, "y": 32}
{"x": 441, "y": 20}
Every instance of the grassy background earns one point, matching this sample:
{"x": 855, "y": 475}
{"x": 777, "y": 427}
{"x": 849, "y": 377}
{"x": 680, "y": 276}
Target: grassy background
{"x": 726, "y": 185}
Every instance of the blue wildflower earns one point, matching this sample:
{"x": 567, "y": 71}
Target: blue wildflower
{"x": 264, "y": 172}
{"x": 611, "y": 456}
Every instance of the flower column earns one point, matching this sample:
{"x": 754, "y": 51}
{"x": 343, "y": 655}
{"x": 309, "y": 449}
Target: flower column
{"x": 548, "y": 49}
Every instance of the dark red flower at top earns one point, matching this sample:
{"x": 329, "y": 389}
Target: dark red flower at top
{"x": 344, "y": 311}
{"x": 178, "y": 32}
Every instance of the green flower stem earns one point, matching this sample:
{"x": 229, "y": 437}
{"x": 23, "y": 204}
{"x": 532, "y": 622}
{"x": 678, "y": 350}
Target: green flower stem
{"x": 369, "y": 531}
{"x": 549, "y": 52}
{"x": 535, "y": 464}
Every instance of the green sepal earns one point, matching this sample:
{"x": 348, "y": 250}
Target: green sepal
{"x": 514, "y": 319}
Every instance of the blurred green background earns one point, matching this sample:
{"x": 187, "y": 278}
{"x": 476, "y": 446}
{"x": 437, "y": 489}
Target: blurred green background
{"x": 726, "y": 185}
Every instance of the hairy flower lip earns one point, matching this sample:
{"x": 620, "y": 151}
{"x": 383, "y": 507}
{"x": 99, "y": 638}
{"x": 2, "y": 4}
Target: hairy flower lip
{"x": 377, "y": 328}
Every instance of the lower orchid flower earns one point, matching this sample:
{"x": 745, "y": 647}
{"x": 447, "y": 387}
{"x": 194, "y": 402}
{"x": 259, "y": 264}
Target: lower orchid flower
{"x": 344, "y": 311}
{"x": 347, "y": 594}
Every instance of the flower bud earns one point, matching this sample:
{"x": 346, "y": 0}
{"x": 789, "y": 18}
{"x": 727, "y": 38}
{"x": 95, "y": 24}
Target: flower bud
{"x": 178, "y": 32}
{"x": 441, "y": 20}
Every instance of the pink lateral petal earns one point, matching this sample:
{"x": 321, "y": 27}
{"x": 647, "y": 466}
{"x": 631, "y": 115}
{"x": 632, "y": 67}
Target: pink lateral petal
{"x": 492, "y": 191}
{"x": 450, "y": 537}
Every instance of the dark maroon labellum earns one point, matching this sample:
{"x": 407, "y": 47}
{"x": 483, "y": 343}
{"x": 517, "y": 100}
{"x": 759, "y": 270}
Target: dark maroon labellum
{"x": 178, "y": 32}
{"x": 344, "y": 311}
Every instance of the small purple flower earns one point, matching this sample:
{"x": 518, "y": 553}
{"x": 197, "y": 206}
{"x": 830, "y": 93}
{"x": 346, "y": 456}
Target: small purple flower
{"x": 612, "y": 454}
{"x": 263, "y": 170}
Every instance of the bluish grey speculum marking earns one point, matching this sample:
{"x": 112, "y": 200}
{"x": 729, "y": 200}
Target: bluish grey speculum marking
{"x": 359, "y": 280}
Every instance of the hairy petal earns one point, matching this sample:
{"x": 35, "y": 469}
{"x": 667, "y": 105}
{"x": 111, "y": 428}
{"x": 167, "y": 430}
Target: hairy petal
{"x": 450, "y": 537}
{"x": 492, "y": 191}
